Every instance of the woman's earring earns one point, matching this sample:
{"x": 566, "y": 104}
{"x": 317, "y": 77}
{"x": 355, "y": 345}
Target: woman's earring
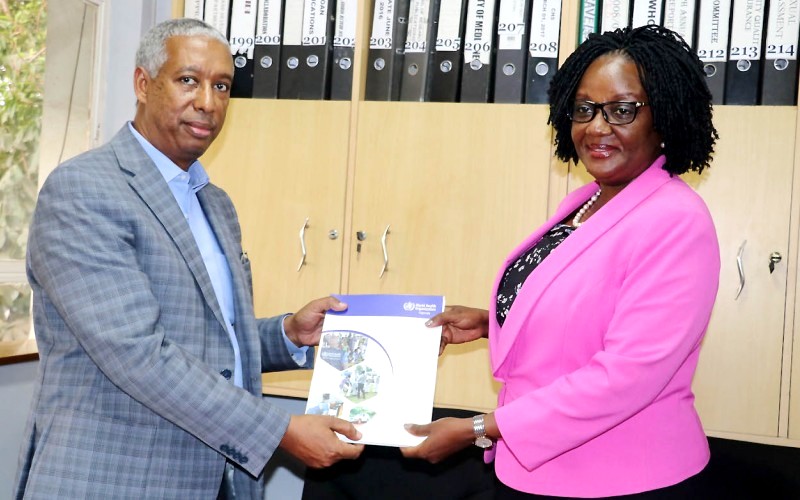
{"x": 662, "y": 145}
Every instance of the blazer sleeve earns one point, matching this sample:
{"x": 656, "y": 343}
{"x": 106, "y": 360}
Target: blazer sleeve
{"x": 83, "y": 255}
{"x": 274, "y": 354}
{"x": 661, "y": 312}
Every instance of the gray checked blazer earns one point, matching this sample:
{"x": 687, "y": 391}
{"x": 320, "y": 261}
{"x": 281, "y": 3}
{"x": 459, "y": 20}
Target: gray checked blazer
{"x": 134, "y": 397}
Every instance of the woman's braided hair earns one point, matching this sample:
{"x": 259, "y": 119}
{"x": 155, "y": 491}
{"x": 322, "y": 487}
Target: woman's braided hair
{"x": 673, "y": 79}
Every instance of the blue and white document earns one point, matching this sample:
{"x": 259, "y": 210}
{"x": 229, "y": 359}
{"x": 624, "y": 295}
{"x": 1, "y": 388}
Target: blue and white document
{"x": 376, "y": 365}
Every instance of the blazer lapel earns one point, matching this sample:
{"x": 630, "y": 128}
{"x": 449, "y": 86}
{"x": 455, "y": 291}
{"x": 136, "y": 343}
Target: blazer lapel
{"x": 149, "y": 184}
{"x": 243, "y": 304}
{"x": 575, "y": 245}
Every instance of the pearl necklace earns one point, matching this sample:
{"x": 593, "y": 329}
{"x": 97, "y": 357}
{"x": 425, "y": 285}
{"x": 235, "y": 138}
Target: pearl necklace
{"x": 576, "y": 221}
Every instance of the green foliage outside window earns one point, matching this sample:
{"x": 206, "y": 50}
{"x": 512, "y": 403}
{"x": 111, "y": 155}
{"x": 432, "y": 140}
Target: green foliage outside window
{"x": 22, "y": 51}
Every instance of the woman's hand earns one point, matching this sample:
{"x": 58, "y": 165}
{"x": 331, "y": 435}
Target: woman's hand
{"x": 461, "y": 324}
{"x": 444, "y": 437}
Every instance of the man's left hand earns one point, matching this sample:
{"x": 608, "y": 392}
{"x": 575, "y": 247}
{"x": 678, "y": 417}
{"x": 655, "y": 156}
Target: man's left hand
{"x": 304, "y": 327}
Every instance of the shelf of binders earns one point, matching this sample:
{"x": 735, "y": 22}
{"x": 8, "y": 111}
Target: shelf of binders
{"x": 486, "y": 51}
{"x": 748, "y": 49}
{"x": 479, "y": 51}
{"x": 285, "y": 49}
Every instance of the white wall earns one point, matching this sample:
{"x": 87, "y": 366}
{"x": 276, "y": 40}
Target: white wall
{"x": 127, "y": 21}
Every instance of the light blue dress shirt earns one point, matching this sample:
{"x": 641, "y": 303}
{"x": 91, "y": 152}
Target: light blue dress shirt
{"x": 184, "y": 186}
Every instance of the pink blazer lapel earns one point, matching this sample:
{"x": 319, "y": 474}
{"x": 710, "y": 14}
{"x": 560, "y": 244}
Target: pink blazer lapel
{"x": 502, "y": 340}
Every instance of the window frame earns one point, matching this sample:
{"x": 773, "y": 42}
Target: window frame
{"x": 12, "y": 271}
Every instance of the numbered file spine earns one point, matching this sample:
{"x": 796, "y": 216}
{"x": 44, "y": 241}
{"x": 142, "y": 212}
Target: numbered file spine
{"x": 344, "y": 38}
{"x": 743, "y": 72}
{"x": 420, "y": 40}
{"x": 476, "y": 77}
{"x": 267, "y": 51}
{"x": 446, "y": 65}
{"x": 386, "y": 46}
{"x": 509, "y": 68}
{"x": 542, "y": 49}
{"x": 712, "y": 44}
{"x": 242, "y": 42}
{"x": 779, "y": 83}
{"x": 315, "y": 54}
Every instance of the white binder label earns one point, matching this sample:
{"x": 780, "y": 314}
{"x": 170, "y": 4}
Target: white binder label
{"x": 417, "y": 36}
{"x": 647, "y": 13}
{"x": 315, "y": 22}
{"x": 193, "y": 9}
{"x": 679, "y": 17}
{"x": 216, "y": 14}
{"x": 478, "y": 37}
{"x": 511, "y": 25}
{"x": 243, "y": 27}
{"x": 669, "y": 14}
{"x": 615, "y": 14}
{"x": 712, "y": 30}
{"x": 268, "y": 26}
{"x": 344, "y": 35}
{"x": 447, "y": 39}
{"x": 545, "y": 28}
{"x": 746, "y": 30}
{"x": 293, "y": 23}
{"x": 782, "y": 30}
{"x": 382, "y": 25}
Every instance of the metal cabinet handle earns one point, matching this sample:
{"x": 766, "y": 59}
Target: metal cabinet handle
{"x": 740, "y": 268}
{"x": 385, "y": 253}
{"x": 303, "y": 244}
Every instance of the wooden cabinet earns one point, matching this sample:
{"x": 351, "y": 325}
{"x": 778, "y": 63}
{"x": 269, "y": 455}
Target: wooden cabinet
{"x": 458, "y": 185}
{"x": 749, "y": 191}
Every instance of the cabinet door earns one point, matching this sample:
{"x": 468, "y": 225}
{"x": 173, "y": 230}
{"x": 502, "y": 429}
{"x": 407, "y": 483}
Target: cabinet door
{"x": 748, "y": 190}
{"x": 283, "y": 162}
{"x": 457, "y": 186}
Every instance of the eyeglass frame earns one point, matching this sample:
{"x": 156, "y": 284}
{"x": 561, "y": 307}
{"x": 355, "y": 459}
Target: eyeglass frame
{"x": 601, "y": 106}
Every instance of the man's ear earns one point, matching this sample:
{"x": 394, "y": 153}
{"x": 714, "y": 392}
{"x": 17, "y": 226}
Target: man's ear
{"x": 141, "y": 84}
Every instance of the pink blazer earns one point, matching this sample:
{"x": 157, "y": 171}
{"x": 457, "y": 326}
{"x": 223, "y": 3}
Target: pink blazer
{"x": 598, "y": 351}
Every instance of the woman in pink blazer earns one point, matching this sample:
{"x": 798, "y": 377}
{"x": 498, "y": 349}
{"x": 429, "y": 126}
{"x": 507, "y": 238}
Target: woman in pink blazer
{"x": 596, "y": 319}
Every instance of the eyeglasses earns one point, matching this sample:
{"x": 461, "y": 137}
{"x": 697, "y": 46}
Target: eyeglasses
{"x": 617, "y": 113}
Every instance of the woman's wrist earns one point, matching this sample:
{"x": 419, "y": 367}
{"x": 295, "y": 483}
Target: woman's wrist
{"x": 492, "y": 431}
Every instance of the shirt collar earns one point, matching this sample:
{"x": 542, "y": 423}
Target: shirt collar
{"x": 169, "y": 170}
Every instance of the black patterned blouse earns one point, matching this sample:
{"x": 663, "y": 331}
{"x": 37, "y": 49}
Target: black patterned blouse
{"x": 518, "y": 272}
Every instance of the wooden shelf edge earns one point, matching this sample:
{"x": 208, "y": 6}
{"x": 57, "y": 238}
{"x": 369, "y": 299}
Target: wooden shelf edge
{"x": 19, "y": 353}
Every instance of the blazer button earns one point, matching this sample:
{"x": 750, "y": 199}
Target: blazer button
{"x": 226, "y": 373}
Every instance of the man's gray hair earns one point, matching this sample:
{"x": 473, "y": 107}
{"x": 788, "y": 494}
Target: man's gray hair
{"x": 152, "y": 53}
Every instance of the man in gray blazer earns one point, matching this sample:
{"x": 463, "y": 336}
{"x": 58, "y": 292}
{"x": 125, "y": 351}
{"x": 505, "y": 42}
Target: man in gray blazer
{"x": 151, "y": 357}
